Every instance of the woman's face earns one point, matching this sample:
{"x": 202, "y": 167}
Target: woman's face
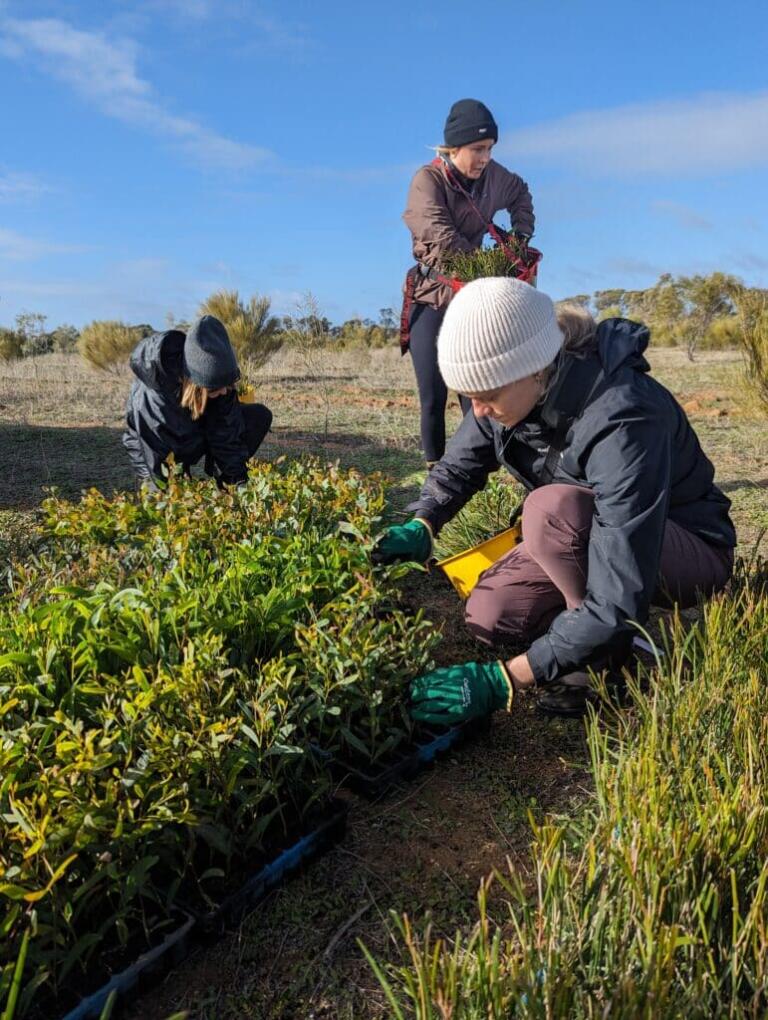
{"x": 212, "y": 394}
{"x": 472, "y": 159}
{"x": 509, "y": 404}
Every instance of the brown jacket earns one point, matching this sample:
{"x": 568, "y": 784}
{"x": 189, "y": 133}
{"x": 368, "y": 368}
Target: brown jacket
{"x": 441, "y": 219}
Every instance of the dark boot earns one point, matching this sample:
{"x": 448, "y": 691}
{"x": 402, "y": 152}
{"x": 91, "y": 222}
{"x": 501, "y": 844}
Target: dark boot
{"x": 569, "y": 696}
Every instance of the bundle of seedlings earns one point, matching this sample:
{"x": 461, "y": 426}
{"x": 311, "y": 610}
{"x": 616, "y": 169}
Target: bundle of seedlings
{"x": 485, "y": 515}
{"x": 652, "y": 901}
{"x": 169, "y": 662}
{"x": 490, "y": 261}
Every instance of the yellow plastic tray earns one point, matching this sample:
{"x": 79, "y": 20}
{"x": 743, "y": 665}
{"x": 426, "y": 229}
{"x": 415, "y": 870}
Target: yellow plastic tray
{"x": 464, "y": 569}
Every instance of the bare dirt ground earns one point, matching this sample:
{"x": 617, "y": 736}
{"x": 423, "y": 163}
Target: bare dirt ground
{"x": 425, "y": 847}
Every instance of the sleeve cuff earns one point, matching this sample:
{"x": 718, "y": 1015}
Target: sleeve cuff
{"x": 542, "y": 661}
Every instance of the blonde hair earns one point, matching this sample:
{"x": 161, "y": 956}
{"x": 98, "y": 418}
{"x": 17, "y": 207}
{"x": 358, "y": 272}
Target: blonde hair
{"x": 579, "y": 331}
{"x": 194, "y": 398}
{"x": 578, "y": 328}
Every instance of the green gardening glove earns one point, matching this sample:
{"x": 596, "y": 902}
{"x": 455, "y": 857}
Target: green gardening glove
{"x": 455, "y": 694}
{"x": 411, "y": 541}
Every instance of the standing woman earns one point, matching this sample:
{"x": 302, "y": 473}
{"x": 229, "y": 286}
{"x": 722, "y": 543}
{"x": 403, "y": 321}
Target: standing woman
{"x": 451, "y": 201}
{"x": 183, "y": 402}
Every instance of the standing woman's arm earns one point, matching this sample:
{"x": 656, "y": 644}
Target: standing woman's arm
{"x": 519, "y": 204}
{"x": 429, "y": 220}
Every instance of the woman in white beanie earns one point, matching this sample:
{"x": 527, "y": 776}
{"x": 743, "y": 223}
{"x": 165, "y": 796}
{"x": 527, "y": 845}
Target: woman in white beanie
{"x": 622, "y": 509}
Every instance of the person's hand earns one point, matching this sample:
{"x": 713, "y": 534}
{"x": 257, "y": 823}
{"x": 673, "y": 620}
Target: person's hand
{"x": 455, "y": 694}
{"x": 411, "y": 541}
{"x": 523, "y": 241}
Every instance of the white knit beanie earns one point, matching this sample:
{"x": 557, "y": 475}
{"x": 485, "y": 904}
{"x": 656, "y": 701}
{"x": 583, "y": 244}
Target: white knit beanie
{"x": 496, "y": 330}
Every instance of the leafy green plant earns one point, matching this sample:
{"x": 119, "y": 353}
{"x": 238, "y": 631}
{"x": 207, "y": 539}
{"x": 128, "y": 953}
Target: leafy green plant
{"x": 169, "y": 662}
{"x": 653, "y": 900}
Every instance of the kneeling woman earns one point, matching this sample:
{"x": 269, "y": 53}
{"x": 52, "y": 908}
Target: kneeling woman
{"x": 622, "y": 509}
{"x": 183, "y": 402}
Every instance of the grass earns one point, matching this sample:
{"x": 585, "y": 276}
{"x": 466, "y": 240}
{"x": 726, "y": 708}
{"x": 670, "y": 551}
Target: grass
{"x": 651, "y": 900}
{"x": 427, "y": 847}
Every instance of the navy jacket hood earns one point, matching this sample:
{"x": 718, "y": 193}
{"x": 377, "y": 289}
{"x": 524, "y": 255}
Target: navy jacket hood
{"x": 157, "y": 361}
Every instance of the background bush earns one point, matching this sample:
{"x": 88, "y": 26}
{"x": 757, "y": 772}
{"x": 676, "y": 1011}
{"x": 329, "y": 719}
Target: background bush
{"x": 107, "y": 344}
{"x": 10, "y": 344}
{"x": 253, "y": 331}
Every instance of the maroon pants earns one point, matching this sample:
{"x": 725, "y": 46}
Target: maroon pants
{"x": 518, "y": 597}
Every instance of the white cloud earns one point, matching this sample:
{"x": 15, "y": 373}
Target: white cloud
{"x": 18, "y": 187}
{"x": 709, "y": 133}
{"x": 104, "y": 72}
{"x": 17, "y": 248}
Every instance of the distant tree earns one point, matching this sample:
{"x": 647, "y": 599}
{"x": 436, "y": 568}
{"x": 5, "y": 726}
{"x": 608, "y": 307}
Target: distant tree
{"x": 577, "y": 299}
{"x": 107, "y": 344}
{"x": 30, "y": 326}
{"x": 254, "y": 332}
{"x": 10, "y": 344}
{"x": 608, "y": 303}
{"x": 706, "y": 298}
{"x": 388, "y": 319}
{"x": 64, "y": 338}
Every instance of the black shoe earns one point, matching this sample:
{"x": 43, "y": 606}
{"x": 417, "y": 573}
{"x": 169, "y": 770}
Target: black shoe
{"x": 569, "y": 696}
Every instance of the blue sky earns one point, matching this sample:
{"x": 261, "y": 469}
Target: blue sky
{"x": 153, "y": 151}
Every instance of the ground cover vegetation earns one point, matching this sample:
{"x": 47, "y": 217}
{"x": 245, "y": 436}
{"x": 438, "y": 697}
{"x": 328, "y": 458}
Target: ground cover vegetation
{"x": 652, "y": 899}
{"x": 426, "y": 848}
{"x": 169, "y": 664}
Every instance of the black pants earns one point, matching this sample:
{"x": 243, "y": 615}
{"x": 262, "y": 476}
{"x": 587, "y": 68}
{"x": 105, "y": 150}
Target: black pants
{"x": 433, "y": 393}
{"x": 256, "y": 421}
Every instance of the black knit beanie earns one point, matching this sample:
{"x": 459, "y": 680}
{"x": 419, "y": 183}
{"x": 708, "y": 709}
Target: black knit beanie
{"x": 469, "y": 121}
{"x": 209, "y": 360}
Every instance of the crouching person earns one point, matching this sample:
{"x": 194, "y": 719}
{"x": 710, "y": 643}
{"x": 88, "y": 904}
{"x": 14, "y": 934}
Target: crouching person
{"x": 622, "y": 511}
{"x": 184, "y": 402}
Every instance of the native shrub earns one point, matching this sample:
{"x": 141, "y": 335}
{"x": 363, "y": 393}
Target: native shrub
{"x": 107, "y": 344}
{"x": 753, "y": 320}
{"x": 10, "y": 344}
{"x": 169, "y": 663}
{"x": 253, "y": 331}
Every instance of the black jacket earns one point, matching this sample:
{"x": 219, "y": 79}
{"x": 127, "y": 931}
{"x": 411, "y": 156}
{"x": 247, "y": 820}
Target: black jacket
{"x": 157, "y": 424}
{"x": 634, "y": 447}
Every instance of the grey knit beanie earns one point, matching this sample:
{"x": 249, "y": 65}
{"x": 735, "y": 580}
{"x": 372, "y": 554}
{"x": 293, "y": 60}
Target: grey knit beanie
{"x": 496, "y": 330}
{"x": 209, "y": 360}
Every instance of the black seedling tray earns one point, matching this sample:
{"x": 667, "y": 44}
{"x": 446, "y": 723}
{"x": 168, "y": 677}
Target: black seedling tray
{"x": 154, "y": 964}
{"x": 147, "y": 970}
{"x": 326, "y": 834}
{"x": 430, "y": 743}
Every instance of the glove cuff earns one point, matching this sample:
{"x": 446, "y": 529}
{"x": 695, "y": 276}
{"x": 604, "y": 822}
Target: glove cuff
{"x": 430, "y": 533}
{"x": 504, "y": 672}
